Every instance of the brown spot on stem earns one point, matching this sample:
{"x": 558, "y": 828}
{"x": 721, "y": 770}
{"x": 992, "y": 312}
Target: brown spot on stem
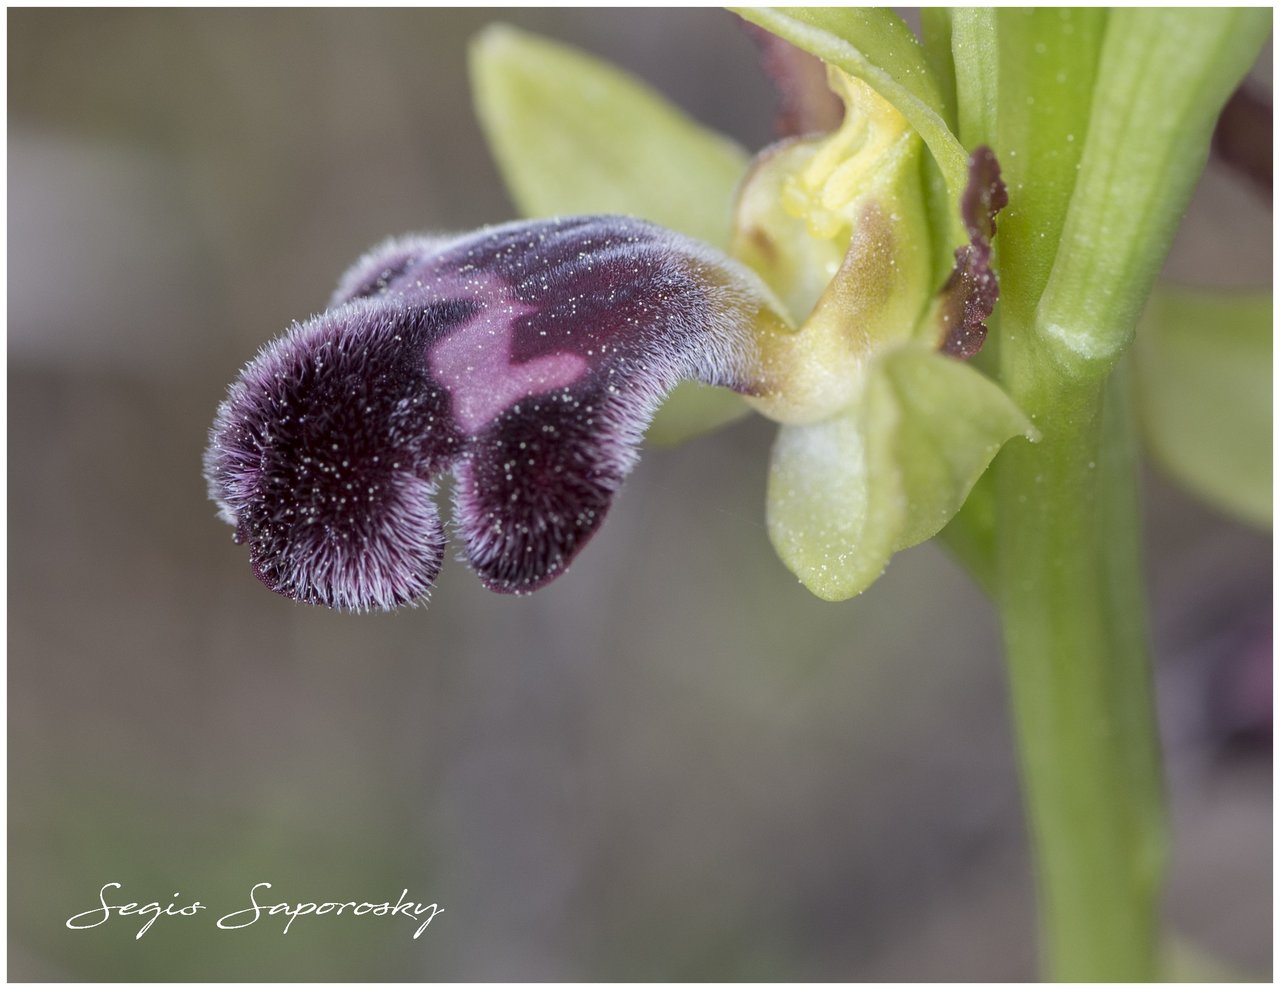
{"x": 970, "y": 294}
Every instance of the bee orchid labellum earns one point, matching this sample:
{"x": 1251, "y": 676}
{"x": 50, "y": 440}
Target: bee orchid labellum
{"x": 527, "y": 359}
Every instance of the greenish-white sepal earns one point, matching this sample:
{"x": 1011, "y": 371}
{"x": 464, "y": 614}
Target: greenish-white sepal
{"x": 887, "y": 473}
{"x": 572, "y": 134}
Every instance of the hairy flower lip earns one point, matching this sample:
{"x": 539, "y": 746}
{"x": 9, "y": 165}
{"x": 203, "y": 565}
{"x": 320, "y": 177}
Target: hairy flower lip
{"x": 314, "y": 440}
{"x": 525, "y": 358}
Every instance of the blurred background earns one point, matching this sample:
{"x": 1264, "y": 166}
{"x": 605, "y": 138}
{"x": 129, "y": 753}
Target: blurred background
{"x": 673, "y": 763}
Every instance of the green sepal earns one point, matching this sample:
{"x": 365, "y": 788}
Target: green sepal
{"x": 846, "y": 493}
{"x": 1203, "y": 370}
{"x": 572, "y": 134}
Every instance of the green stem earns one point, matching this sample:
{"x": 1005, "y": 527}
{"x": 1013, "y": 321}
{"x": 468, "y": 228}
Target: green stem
{"x": 1071, "y": 599}
{"x": 1086, "y": 230}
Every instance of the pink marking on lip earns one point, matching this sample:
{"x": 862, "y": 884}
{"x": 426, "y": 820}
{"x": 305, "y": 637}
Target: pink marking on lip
{"x": 474, "y": 362}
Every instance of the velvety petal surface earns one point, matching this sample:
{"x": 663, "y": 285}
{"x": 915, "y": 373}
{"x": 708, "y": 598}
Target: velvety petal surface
{"x": 526, "y": 358}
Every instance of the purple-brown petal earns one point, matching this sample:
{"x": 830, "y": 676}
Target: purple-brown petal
{"x": 970, "y": 294}
{"x": 806, "y": 103}
{"x": 318, "y": 458}
{"x": 1242, "y": 138}
{"x": 536, "y": 487}
{"x": 527, "y": 358}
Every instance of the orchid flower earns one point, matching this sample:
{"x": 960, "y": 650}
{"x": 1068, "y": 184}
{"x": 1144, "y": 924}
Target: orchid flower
{"x": 528, "y": 360}
{"x": 841, "y": 282}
